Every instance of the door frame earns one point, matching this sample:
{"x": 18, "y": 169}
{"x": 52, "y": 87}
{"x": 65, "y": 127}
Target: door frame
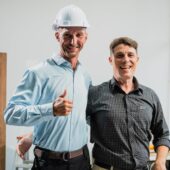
{"x": 3, "y": 63}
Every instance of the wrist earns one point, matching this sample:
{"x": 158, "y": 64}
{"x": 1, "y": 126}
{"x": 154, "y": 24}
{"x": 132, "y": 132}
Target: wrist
{"x": 160, "y": 162}
{"x": 29, "y": 135}
{"x": 54, "y": 108}
{"x": 56, "y": 104}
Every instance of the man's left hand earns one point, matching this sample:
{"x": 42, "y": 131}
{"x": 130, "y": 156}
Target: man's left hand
{"x": 158, "y": 166}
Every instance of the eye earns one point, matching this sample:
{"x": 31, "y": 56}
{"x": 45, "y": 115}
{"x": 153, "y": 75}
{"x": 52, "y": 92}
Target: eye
{"x": 119, "y": 55}
{"x": 79, "y": 35}
{"x": 131, "y": 55}
{"x": 67, "y": 36}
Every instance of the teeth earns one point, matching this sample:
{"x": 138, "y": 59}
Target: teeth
{"x": 125, "y": 67}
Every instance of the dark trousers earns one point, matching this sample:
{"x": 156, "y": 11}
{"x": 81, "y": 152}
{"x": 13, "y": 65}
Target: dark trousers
{"x": 79, "y": 163}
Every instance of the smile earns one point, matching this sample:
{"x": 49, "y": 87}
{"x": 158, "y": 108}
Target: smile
{"x": 127, "y": 67}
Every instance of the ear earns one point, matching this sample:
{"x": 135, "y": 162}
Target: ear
{"x": 137, "y": 58}
{"x": 86, "y": 37}
{"x": 110, "y": 59}
{"x": 57, "y": 35}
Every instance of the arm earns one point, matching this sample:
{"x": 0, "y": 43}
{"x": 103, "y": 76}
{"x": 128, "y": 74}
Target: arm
{"x": 24, "y": 108}
{"x": 61, "y": 106}
{"x": 161, "y": 136}
{"x": 160, "y": 162}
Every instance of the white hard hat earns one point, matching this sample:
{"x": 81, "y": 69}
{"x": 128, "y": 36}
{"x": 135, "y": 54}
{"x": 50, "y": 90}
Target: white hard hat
{"x": 70, "y": 16}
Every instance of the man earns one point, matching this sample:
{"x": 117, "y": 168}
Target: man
{"x": 123, "y": 114}
{"x": 52, "y": 97}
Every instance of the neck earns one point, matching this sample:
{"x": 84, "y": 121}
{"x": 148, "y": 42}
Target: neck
{"x": 73, "y": 61}
{"x": 126, "y": 85}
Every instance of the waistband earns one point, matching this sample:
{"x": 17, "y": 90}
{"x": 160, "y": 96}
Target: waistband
{"x": 65, "y": 156}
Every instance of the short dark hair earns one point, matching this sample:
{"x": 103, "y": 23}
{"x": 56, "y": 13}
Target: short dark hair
{"x": 123, "y": 40}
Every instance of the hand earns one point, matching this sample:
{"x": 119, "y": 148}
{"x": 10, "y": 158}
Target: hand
{"x": 62, "y": 106}
{"x": 24, "y": 144}
{"x": 158, "y": 166}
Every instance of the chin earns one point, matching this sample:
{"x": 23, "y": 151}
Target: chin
{"x": 72, "y": 55}
{"x": 126, "y": 77}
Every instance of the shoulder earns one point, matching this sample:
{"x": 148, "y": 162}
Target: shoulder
{"x": 42, "y": 69}
{"x": 149, "y": 92}
{"x": 98, "y": 88}
{"x": 42, "y": 66}
{"x": 147, "y": 89}
{"x": 97, "y": 92}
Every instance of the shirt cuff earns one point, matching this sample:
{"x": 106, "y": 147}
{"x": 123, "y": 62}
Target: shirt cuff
{"x": 46, "y": 110}
{"x": 162, "y": 142}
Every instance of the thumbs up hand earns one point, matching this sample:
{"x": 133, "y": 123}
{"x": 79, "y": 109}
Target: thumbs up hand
{"x": 62, "y": 106}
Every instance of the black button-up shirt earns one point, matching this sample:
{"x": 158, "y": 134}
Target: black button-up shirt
{"x": 122, "y": 124}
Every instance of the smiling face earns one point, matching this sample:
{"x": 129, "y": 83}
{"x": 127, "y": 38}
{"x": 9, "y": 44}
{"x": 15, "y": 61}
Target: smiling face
{"x": 71, "y": 41}
{"x": 124, "y": 60}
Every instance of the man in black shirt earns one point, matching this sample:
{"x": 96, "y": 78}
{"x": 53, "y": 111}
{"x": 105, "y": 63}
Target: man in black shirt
{"x": 124, "y": 115}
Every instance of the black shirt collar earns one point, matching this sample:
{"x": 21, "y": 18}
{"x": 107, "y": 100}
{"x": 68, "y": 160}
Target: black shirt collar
{"x": 138, "y": 88}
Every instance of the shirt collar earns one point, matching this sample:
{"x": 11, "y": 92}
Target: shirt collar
{"x": 138, "y": 88}
{"x": 59, "y": 60}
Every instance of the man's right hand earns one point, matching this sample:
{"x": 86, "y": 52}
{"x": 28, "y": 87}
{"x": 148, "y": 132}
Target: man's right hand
{"x": 24, "y": 144}
{"x": 62, "y": 106}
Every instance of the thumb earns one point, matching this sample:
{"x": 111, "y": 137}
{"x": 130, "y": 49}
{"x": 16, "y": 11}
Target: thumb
{"x": 19, "y": 137}
{"x": 64, "y": 94}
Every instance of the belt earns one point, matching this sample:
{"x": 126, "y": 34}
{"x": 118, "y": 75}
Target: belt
{"x": 65, "y": 156}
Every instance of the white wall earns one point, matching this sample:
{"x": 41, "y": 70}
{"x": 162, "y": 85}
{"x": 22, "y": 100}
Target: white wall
{"x": 26, "y": 35}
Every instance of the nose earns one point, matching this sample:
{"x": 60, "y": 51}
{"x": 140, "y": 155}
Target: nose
{"x": 73, "y": 40}
{"x": 126, "y": 58}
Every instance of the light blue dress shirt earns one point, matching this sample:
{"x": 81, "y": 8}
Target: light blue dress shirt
{"x": 32, "y": 104}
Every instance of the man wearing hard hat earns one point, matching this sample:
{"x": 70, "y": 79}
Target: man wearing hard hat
{"x": 52, "y": 97}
